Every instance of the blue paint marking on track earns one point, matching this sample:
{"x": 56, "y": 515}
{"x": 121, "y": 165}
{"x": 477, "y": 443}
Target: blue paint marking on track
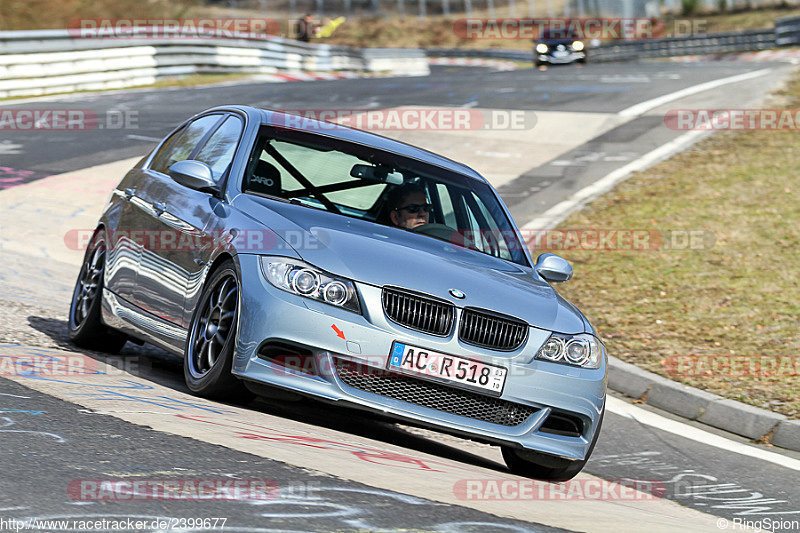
{"x": 160, "y": 401}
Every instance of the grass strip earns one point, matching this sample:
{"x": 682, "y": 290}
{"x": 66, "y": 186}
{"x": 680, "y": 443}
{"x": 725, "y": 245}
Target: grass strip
{"x": 723, "y": 317}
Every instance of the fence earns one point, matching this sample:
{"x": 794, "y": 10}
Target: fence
{"x": 49, "y": 61}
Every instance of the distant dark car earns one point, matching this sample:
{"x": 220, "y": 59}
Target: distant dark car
{"x": 558, "y": 47}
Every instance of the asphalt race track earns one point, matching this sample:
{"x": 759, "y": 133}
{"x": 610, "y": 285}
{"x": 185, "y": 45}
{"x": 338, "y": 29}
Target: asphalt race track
{"x": 326, "y": 469}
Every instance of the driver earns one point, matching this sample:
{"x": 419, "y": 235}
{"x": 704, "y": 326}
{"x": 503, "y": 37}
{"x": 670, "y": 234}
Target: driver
{"x": 409, "y": 206}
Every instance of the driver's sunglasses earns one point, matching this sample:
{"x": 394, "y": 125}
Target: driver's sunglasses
{"x": 416, "y": 208}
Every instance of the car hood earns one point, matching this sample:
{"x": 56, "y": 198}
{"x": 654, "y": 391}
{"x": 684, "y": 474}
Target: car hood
{"x": 380, "y": 255}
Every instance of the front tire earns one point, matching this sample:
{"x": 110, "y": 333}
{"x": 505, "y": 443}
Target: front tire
{"x": 529, "y": 463}
{"x": 208, "y": 356}
{"x": 86, "y": 328}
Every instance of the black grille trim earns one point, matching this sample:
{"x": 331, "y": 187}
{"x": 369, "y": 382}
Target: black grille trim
{"x": 417, "y": 311}
{"x": 432, "y": 395}
{"x": 491, "y": 330}
{"x": 562, "y": 424}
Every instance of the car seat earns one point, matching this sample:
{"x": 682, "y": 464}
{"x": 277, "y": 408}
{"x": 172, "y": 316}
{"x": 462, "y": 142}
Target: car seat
{"x": 266, "y": 179}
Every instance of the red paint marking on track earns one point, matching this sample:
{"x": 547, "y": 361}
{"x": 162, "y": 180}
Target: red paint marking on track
{"x": 245, "y": 430}
{"x": 11, "y": 177}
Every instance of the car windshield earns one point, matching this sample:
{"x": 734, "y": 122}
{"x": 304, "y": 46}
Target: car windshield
{"x": 559, "y": 34}
{"x": 354, "y": 180}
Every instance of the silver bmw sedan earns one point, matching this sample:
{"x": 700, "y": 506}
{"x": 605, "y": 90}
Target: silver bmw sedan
{"x": 273, "y": 253}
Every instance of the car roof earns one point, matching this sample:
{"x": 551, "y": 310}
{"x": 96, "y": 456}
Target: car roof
{"x": 273, "y": 117}
{"x": 559, "y": 35}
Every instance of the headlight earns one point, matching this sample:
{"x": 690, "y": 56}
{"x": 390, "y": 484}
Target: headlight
{"x": 541, "y": 48}
{"x": 577, "y": 350}
{"x": 301, "y": 278}
{"x": 577, "y": 46}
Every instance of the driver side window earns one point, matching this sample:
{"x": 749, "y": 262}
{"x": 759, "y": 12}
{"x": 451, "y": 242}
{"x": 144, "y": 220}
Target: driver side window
{"x": 220, "y": 148}
{"x": 182, "y": 143}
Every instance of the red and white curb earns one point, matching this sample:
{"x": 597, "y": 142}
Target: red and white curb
{"x": 496, "y": 64}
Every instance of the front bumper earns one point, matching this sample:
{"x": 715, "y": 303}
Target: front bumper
{"x": 570, "y": 58}
{"x": 269, "y": 314}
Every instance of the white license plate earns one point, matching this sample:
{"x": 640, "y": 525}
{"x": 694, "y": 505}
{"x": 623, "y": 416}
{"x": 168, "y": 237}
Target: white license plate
{"x": 560, "y": 53}
{"x": 447, "y": 368}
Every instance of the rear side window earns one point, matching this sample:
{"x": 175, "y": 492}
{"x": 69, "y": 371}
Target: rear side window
{"x": 182, "y": 143}
{"x": 218, "y": 152}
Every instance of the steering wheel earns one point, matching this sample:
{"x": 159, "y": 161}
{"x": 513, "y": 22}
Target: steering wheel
{"x": 439, "y": 231}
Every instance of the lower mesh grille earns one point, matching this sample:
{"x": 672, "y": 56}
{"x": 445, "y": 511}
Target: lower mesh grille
{"x": 432, "y": 395}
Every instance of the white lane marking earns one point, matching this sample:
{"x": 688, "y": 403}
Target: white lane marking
{"x": 9, "y": 148}
{"x": 622, "y": 408}
{"x": 643, "y": 107}
{"x": 143, "y": 138}
{"x": 492, "y": 154}
{"x": 562, "y": 210}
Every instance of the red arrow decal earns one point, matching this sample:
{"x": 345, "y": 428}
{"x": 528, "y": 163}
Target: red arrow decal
{"x": 339, "y": 333}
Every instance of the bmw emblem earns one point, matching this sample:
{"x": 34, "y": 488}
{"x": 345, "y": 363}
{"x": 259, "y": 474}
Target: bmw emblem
{"x": 457, "y": 294}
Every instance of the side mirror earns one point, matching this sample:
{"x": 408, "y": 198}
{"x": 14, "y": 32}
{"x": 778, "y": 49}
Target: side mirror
{"x": 553, "y": 268}
{"x": 193, "y": 174}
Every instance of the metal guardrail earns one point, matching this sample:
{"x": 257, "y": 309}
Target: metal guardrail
{"x": 49, "y": 61}
{"x": 786, "y": 33}
{"x": 717, "y": 43}
{"x": 486, "y": 53}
